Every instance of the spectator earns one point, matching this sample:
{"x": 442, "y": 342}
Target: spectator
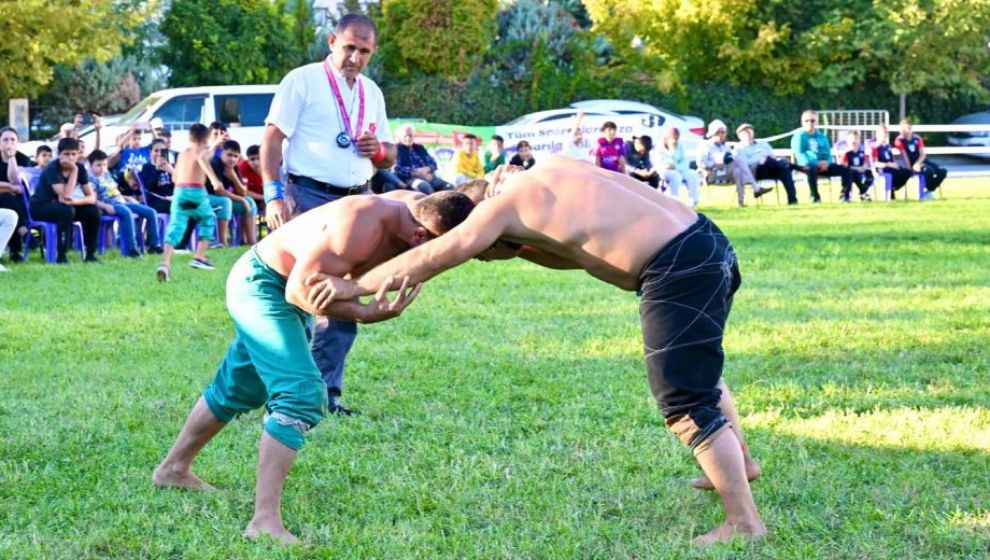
{"x": 640, "y": 166}
{"x": 758, "y": 155}
{"x": 912, "y": 149}
{"x": 611, "y": 152}
{"x": 159, "y": 187}
{"x": 718, "y": 165}
{"x": 8, "y": 223}
{"x": 218, "y": 135}
{"x": 69, "y": 130}
{"x": 467, "y": 164}
{"x": 113, "y": 203}
{"x": 415, "y": 166}
{"x": 249, "y": 169}
{"x": 859, "y": 169}
{"x": 53, "y": 202}
{"x": 576, "y": 148}
{"x": 43, "y": 156}
{"x": 524, "y": 155}
{"x": 884, "y": 162}
{"x": 675, "y": 167}
{"x": 813, "y": 156}
{"x": 385, "y": 180}
{"x": 495, "y": 155}
{"x": 12, "y": 163}
{"x": 131, "y": 155}
{"x": 231, "y": 197}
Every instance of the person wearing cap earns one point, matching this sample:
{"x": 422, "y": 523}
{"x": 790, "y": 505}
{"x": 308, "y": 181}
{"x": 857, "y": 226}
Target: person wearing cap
{"x": 813, "y": 156}
{"x": 758, "y": 155}
{"x": 332, "y": 122}
{"x": 717, "y": 164}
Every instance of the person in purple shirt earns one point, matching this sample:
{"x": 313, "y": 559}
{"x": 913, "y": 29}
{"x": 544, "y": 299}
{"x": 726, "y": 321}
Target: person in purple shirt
{"x": 611, "y": 152}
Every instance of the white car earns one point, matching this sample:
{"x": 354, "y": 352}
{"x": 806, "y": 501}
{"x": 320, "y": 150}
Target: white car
{"x": 971, "y": 138}
{"x": 660, "y": 118}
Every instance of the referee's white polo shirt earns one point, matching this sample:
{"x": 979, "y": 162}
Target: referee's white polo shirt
{"x": 305, "y": 110}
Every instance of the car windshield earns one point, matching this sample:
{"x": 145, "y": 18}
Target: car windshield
{"x": 138, "y": 110}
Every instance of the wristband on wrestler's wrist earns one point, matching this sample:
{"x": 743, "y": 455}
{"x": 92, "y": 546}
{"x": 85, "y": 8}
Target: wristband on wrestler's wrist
{"x": 273, "y": 190}
{"x": 378, "y": 157}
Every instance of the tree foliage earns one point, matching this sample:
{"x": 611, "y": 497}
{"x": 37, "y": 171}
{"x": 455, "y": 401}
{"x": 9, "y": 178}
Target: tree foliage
{"x": 219, "y": 42}
{"x": 40, "y": 34}
{"x": 443, "y": 37}
{"x": 91, "y": 87}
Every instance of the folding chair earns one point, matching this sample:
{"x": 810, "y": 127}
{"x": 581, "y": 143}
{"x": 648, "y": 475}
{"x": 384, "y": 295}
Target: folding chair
{"x": 48, "y": 230}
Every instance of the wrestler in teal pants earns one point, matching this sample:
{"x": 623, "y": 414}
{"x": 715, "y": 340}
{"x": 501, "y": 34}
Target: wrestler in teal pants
{"x": 269, "y": 362}
{"x": 190, "y": 203}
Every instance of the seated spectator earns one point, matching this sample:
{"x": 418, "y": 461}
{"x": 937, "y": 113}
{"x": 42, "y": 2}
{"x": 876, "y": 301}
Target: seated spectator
{"x": 611, "y": 151}
{"x": 576, "y": 148}
{"x": 675, "y": 168}
{"x": 111, "y": 202}
{"x": 385, "y": 180}
{"x": 8, "y": 223}
{"x": 717, "y": 165}
{"x": 859, "y": 168}
{"x": 249, "y": 170}
{"x": 159, "y": 186}
{"x": 53, "y": 201}
{"x": 12, "y": 163}
{"x": 758, "y": 155}
{"x": 640, "y": 166}
{"x": 884, "y": 162}
{"x": 495, "y": 155}
{"x": 231, "y": 197}
{"x": 524, "y": 155}
{"x": 912, "y": 149}
{"x": 813, "y": 156}
{"x": 467, "y": 164}
{"x": 415, "y": 166}
{"x": 43, "y": 156}
{"x": 131, "y": 155}
{"x": 160, "y": 133}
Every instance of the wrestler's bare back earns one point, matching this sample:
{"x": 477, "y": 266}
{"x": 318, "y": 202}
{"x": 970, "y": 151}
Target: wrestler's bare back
{"x": 604, "y": 222}
{"x": 348, "y": 236}
{"x": 187, "y": 168}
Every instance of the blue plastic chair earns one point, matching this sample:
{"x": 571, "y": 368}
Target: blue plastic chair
{"x": 49, "y": 230}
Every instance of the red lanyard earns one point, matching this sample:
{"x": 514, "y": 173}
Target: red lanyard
{"x": 345, "y": 116}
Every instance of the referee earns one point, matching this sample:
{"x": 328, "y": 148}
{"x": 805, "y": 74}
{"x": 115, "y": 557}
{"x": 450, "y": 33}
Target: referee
{"x": 328, "y": 124}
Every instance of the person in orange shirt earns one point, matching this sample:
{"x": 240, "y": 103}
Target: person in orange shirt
{"x": 467, "y": 163}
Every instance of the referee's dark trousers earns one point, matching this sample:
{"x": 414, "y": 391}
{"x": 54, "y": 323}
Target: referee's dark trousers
{"x": 332, "y": 339}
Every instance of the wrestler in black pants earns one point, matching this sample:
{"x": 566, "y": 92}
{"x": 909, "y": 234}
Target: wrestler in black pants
{"x": 63, "y": 216}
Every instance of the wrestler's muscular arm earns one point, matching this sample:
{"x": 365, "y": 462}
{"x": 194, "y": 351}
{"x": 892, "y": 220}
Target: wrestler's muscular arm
{"x": 483, "y": 227}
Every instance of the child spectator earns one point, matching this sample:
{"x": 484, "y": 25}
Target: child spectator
{"x": 675, "y": 167}
{"x": 576, "y": 148}
{"x": 912, "y": 149}
{"x": 524, "y": 155}
{"x": 157, "y": 180}
{"x": 131, "y": 155}
{"x": 43, "y": 156}
{"x": 230, "y": 197}
{"x": 218, "y": 135}
{"x": 467, "y": 164}
{"x": 859, "y": 169}
{"x": 611, "y": 152}
{"x": 53, "y": 201}
{"x": 640, "y": 166}
{"x": 884, "y": 162}
{"x": 495, "y": 156}
{"x": 112, "y": 202}
{"x": 249, "y": 169}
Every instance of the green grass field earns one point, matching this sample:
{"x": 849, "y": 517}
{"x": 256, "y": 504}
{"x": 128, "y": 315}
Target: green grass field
{"x": 507, "y": 413}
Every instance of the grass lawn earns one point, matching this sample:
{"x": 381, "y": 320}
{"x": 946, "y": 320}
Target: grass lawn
{"x": 507, "y": 413}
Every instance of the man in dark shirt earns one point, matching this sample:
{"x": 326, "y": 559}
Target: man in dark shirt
{"x": 231, "y": 198}
{"x": 415, "y": 166}
{"x": 156, "y": 177}
{"x": 53, "y": 200}
{"x": 11, "y": 161}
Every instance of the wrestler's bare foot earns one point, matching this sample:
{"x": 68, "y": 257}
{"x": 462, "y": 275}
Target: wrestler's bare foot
{"x": 168, "y": 477}
{"x": 753, "y": 472}
{"x": 730, "y": 530}
{"x": 271, "y": 527}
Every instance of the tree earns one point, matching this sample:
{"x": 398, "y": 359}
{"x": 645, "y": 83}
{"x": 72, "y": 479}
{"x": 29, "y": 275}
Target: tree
{"x": 219, "y": 42}
{"x": 39, "y": 34}
{"x": 91, "y": 87}
{"x": 444, "y": 37}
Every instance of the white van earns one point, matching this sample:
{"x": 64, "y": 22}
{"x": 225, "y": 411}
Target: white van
{"x": 242, "y": 108}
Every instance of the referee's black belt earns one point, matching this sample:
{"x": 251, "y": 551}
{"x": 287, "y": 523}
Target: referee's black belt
{"x": 327, "y": 187}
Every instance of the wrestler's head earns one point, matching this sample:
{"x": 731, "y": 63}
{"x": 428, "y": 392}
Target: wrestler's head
{"x": 439, "y": 213}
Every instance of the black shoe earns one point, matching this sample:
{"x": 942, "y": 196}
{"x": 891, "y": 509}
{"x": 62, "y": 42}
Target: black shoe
{"x": 61, "y": 259}
{"x": 134, "y": 254}
{"x": 91, "y": 259}
{"x": 156, "y": 250}
{"x": 341, "y": 410}
{"x": 16, "y": 257}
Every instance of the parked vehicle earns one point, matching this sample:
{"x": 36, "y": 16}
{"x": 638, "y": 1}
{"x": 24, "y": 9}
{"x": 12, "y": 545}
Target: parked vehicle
{"x": 971, "y": 138}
